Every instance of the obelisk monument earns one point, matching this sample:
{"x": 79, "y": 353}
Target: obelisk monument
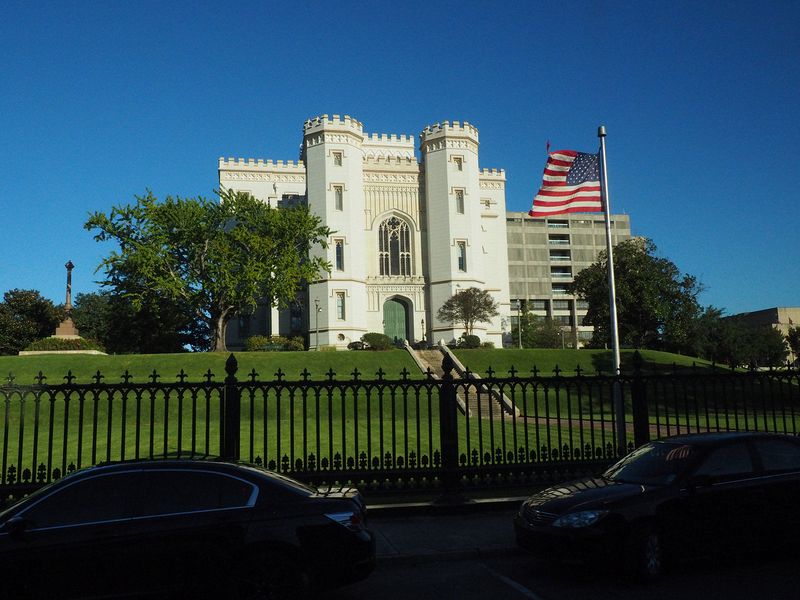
{"x": 67, "y": 329}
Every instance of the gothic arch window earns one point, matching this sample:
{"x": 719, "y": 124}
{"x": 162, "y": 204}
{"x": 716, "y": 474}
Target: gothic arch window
{"x": 394, "y": 247}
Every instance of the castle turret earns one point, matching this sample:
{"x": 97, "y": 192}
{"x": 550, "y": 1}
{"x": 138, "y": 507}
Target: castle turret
{"x": 335, "y": 191}
{"x": 452, "y": 194}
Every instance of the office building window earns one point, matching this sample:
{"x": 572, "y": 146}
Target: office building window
{"x": 462, "y": 255}
{"x": 338, "y": 197}
{"x": 459, "y": 201}
{"x": 337, "y": 158}
{"x": 394, "y": 247}
{"x": 339, "y": 250}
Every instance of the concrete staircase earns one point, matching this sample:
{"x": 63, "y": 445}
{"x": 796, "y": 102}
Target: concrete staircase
{"x": 467, "y": 395}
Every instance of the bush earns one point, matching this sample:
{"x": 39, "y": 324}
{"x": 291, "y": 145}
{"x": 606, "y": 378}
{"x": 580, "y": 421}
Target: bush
{"x": 64, "y": 344}
{"x": 469, "y": 341}
{"x": 327, "y": 348}
{"x": 488, "y": 345}
{"x": 377, "y": 341}
{"x": 273, "y": 343}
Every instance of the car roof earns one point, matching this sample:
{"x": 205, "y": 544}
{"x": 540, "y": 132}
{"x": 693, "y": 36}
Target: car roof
{"x": 723, "y": 436}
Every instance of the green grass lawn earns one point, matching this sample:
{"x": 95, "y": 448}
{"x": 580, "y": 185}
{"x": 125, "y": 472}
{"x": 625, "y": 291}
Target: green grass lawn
{"x": 83, "y": 366}
{"x": 354, "y": 423}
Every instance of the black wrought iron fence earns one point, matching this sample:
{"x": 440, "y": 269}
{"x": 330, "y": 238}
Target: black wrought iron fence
{"x": 402, "y": 433}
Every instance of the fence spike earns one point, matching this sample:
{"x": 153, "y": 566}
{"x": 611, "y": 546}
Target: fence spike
{"x": 181, "y": 377}
{"x": 98, "y": 377}
{"x": 126, "y": 377}
{"x": 69, "y": 377}
{"x": 154, "y": 376}
{"x": 253, "y": 375}
{"x": 40, "y": 378}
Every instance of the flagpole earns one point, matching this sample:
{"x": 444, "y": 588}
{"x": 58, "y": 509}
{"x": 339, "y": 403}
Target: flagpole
{"x": 619, "y": 408}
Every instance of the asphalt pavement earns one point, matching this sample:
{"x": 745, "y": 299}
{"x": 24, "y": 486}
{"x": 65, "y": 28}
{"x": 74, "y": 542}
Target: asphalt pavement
{"x": 414, "y": 532}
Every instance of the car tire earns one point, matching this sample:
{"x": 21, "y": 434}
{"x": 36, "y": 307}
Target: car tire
{"x": 646, "y": 553}
{"x": 272, "y": 576}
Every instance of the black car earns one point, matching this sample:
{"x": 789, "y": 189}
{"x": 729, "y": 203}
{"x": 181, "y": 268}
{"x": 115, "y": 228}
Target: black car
{"x": 681, "y": 497}
{"x": 182, "y": 529}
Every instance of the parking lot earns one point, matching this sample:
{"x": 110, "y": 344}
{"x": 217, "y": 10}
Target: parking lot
{"x": 474, "y": 555}
{"x": 519, "y": 577}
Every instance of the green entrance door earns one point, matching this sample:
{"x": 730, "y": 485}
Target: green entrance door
{"x": 394, "y": 320}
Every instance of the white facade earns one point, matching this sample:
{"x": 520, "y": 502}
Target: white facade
{"x": 409, "y": 231}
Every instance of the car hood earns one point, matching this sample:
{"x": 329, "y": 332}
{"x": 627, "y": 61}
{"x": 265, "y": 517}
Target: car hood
{"x": 584, "y": 494}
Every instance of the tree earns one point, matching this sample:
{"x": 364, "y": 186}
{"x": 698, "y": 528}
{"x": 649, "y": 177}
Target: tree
{"x": 159, "y": 325}
{"x": 468, "y": 307}
{"x": 537, "y": 332}
{"x": 793, "y": 339}
{"x": 216, "y": 259}
{"x": 656, "y": 304}
{"x": 26, "y": 316}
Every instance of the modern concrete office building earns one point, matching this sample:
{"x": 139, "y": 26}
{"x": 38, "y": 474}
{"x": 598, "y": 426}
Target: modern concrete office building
{"x": 544, "y": 255}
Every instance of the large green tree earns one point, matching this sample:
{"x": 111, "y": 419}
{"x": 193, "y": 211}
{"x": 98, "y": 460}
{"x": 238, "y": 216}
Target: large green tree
{"x": 468, "y": 307}
{"x": 656, "y": 304}
{"x": 538, "y": 332}
{"x": 25, "y": 316}
{"x": 159, "y": 324}
{"x": 217, "y": 259}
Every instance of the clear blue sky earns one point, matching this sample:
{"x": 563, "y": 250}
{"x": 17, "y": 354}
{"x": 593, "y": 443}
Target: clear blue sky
{"x": 101, "y": 100}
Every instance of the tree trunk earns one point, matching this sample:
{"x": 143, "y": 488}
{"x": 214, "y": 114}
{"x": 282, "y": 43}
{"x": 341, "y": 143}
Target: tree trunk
{"x": 220, "y": 328}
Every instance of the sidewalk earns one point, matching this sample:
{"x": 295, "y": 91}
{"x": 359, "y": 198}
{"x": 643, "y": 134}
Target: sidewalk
{"x": 410, "y": 534}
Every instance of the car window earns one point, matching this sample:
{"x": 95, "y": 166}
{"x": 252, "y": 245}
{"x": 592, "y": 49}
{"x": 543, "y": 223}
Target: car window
{"x": 100, "y": 498}
{"x": 181, "y": 491}
{"x": 657, "y": 463}
{"x": 778, "y": 455}
{"x": 728, "y": 462}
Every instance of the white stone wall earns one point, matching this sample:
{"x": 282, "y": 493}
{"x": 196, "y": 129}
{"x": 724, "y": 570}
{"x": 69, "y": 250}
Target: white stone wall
{"x": 381, "y": 178}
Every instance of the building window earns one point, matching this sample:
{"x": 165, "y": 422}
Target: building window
{"x": 459, "y": 201}
{"x": 339, "y": 250}
{"x": 462, "y": 255}
{"x": 394, "y": 247}
{"x": 340, "y": 309}
{"x": 459, "y": 163}
{"x": 338, "y": 197}
{"x": 561, "y": 305}
{"x": 337, "y": 158}
{"x": 557, "y": 224}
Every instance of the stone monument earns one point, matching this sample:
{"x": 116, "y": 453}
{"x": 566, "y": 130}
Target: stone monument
{"x": 67, "y": 330}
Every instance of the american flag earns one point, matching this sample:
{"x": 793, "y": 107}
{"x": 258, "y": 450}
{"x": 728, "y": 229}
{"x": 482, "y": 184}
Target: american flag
{"x": 571, "y": 183}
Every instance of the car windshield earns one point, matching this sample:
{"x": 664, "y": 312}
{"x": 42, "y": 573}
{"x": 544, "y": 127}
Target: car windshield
{"x": 657, "y": 463}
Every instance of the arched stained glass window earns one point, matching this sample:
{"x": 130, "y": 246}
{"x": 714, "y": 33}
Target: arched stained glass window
{"x": 394, "y": 247}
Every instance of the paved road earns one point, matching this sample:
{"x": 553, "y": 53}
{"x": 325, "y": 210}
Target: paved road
{"x": 521, "y": 577}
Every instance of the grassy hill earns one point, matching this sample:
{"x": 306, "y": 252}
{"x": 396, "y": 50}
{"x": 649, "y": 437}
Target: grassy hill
{"x": 25, "y": 368}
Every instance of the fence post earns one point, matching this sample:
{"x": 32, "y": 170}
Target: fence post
{"x": 230, "y": 422}
{"x": 641, "y": 424}
{"x": 448, "y": 433}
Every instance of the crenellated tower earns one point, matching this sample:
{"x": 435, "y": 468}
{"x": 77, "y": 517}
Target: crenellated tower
{"x": 449, "y": 153}
{"x": 334, "y": 157}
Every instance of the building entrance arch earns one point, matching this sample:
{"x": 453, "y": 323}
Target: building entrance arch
{"x": 396, "y": 319}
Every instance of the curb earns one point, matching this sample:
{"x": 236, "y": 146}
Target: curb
{"x": 446, "y": 556}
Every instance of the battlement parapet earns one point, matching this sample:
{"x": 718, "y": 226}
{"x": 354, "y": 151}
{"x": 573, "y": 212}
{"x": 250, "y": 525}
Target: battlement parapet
{"x": 387, "y": 158}
{"x": 390, "y": 139}
{"x": 288, "y": 166}
{"x": 493, "y": 174}
{"x": 334, "y": 122}
{"x": 449, "y": 128}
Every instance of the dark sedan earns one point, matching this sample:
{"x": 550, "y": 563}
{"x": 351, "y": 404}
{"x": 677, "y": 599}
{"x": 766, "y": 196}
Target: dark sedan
{"x": 182, "y": 529}
{"x": 681, "y": 497}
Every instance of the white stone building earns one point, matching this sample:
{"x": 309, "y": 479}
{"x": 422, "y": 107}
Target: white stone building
{"x": 410, "y": 230}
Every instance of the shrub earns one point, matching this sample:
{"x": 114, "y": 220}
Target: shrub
{"x": 488, "y": 345}
{"x": 470, "y": 341}
{"x": 377, "y": 341}
{"x": 62, "y": 344}
{"x": 273, "y": 343}
{"x": 327, "y": 348}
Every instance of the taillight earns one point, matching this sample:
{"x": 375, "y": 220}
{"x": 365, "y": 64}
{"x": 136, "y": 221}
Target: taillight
{"x": 354, "y": 521}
